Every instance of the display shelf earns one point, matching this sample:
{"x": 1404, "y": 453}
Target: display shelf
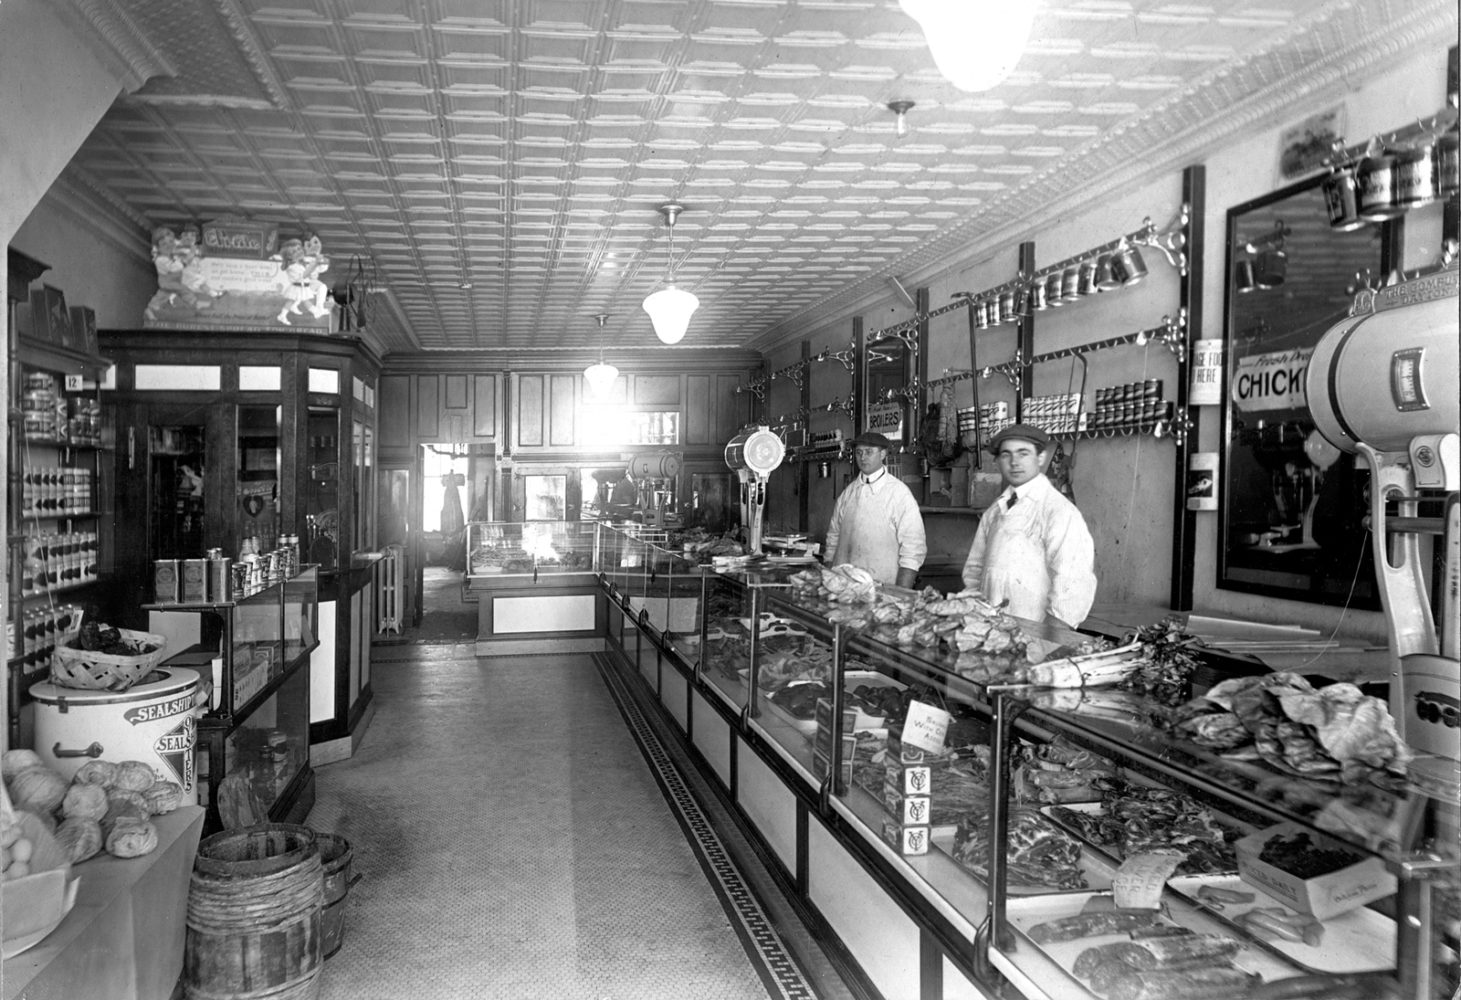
{"x": 55, "y": 544}
{"x": 257, "y": 730}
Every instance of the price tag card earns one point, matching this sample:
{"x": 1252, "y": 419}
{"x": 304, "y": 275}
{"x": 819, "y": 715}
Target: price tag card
{"x": 926, "y": 727}
{"x": 75, "y": 383}
{"x": 1138, "y": 883}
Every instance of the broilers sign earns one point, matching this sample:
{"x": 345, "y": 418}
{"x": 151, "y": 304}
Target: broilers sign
{"x": 886, "y": 418}
{"x": 1272, "y": 381}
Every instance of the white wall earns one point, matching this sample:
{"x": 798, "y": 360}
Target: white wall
{"x": 1125, "y": 486}
{"x": 110, "y": 274}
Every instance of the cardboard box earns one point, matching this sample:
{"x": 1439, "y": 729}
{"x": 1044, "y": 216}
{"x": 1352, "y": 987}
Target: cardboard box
{"x": 1322, "y": 896}
{"x": 910, "y": 841}
{"x": 907, "y": 779}
{"x": 909, "y": 810}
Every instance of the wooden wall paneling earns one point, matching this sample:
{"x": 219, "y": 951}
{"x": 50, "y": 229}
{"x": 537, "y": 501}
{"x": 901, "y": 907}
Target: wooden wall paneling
{"x": 394, "y": 402}
{"x": 530, "y": 411}
{"x": 700, "y": 410}
{"x": 428, "y": 407}
{"x": 657, "y": 390}
{"x": 484, "y": 406}
{"x": 563, "y": 406}
{"x": 732, "y": 409}
{"x": 456, "y": 392}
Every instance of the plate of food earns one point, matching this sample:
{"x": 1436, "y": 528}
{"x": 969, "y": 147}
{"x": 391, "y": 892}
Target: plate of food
{"x": 1358, "y": 940}
{"x": 1117, "y": 954}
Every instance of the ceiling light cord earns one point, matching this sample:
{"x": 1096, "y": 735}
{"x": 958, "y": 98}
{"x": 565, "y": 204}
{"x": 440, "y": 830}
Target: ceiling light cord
{"x": 670, "y": 308}
{"x": 601, "y": 376}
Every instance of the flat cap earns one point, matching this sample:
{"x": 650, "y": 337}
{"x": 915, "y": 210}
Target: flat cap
{"x": 1023, "y": 432}
{"x": 872, "y": 439}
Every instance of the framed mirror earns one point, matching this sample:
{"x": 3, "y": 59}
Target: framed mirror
{"x": 1291, "y": 505}
{"x": 888, "y": 366}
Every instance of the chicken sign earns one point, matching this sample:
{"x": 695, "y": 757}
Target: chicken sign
{"x": 1271, "y": 381}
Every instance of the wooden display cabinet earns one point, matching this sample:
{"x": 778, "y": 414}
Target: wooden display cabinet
{"x": 234, "y": 440}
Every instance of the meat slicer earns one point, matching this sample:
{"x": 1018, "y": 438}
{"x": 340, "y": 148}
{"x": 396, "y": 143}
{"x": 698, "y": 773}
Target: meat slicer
{"x": 654, "y": 473}
{"x": 1382, "y": 383}
{"x": 754, "y": 454}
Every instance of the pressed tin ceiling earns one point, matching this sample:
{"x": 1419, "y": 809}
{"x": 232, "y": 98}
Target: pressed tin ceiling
{"x": 500, "y": 163}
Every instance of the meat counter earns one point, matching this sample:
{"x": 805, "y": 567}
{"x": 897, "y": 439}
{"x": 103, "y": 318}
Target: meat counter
{"x": 534, "y": 585}
{"x": 1024, "y": 815}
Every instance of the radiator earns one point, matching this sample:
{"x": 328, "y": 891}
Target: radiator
{"x": 390, "y": 589}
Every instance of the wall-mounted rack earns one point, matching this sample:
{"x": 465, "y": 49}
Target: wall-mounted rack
{"x": 796, "y": 372}
{"x": 1432, "y": 128}
{"x": 1171, "y": 334}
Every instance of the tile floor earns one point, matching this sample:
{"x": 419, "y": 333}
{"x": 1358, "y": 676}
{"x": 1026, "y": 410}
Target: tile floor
{"x": 514, "y": 842}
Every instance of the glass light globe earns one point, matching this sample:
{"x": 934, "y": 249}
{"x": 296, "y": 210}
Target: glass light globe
{"x": 669, "y": 311}
{"x": 601, "y": 379}
{"x": 974, "y": 43}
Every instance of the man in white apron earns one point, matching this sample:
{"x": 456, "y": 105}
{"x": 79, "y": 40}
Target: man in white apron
{"x": 1032, "y": 547}
{"x": 876, "y": 524}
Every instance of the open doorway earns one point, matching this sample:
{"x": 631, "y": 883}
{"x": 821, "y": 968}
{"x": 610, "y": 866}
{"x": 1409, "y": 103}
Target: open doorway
{"x": 457, "y": 483}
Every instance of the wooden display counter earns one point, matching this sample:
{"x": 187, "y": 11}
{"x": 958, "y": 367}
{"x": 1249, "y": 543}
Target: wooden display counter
{"x": 124, "y": 938}
{"x": 538, "y": 613}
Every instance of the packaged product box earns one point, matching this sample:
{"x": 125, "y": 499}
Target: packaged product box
{"x": 1321, "y": 896}
{"x": 907, "y": 779}
{"x": 909, "y": 810}
{"x": 909, "y": 841}
{"x": 194, "y": 580}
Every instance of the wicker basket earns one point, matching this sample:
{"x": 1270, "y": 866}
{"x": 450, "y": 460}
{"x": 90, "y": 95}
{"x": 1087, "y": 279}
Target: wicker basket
{"x": 96, "y": 671}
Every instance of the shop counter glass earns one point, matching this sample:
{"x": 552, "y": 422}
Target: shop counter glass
{"x": 529, "y": 551}
{"x": 984, "y": 794}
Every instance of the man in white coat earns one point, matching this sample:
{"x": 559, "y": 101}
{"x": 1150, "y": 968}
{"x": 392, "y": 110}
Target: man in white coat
{"x": 876, "y": 524}
{"x": 1032, "y": 547}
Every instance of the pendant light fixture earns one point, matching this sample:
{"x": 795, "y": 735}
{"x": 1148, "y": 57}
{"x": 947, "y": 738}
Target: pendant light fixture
{"x": 900, "y": 111}
{"x": 670, "y": 308}
{"x": 601, "y": 376}
{"x": 974, "y": 43}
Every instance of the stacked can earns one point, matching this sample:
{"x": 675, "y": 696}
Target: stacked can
{"x": 1057, "y": 414}
{"x": 1133, "y": 406}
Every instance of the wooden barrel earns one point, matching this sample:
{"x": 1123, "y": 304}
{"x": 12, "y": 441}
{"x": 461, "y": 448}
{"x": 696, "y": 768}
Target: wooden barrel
{"x": 254, "y": 912}
{"x": 335, "y": 856}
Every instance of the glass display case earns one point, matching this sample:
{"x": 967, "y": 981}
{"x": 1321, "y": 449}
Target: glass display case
{"x": 530, "y": 550}
{"x": 900, "y": 746}
{"x": 320, "y": 500}
{"x": 253, "y": 744}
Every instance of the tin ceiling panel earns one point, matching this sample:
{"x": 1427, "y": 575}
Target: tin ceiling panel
{"x": 498, "y": 164}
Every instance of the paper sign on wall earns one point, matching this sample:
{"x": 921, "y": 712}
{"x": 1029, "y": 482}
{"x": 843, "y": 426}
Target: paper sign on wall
{"x": 926, "y": 727}
{"x": 1207, "y": 373}
{"x": 1202, "y": 472}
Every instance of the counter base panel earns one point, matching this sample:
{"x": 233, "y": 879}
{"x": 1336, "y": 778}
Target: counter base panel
{"x": 526, "y": 647}
{"x": 958, "y": 986}
{"x": 647, "y": 658}
{"x": 334, "y": 751}
{"x": 548, "y": 613}
{"x": 712, "y": 737}
{"x": 674, "y": 693}
{"x": 871, "y": 925}
{"x": 768, "y": 804}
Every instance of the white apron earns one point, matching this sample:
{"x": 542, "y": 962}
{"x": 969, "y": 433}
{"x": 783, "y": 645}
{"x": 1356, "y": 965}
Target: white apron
{"x": 1014, "y": 564}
